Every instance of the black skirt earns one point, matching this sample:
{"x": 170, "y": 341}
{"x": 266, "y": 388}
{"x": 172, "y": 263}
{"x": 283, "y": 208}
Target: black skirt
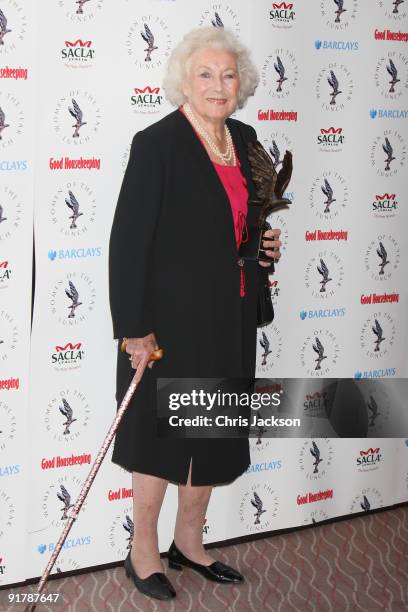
{"x": 137, "y": 446}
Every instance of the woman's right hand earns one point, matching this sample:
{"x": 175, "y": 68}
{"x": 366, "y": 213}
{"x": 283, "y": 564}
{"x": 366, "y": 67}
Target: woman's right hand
{"x": 140, "y": 350}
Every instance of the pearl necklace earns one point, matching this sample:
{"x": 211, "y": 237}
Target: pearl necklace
{"x": 229, "y": 156}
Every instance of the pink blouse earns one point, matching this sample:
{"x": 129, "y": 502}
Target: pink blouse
{"x": 235, "y": 186}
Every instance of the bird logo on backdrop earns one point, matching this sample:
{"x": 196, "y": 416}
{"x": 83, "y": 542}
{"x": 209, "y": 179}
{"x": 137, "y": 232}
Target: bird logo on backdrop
{"x": 334, "y": 84}
{"x": 1, "y": 215}
{"x": 382, "y": 254}
{"x": 275, "y": 154}
{"x": 315, "y": 452}
{"x": 258, "y": 505}
{"x": 264, "y": 342}
{"x": 365, "y": 504}
{"x": 149, "y": 40}
{"x": 373, "y": 408}
{"x": 129, "y": 527}
{"x": 73, "y": 204}
{"x": 319, "y": 349}
{"x": 328, "y": 192}
{"x": 393, "y": 72}
{"x": 378, "y": 331}
{"x": 340, "y": 10}
{"x": 3, "y": 27}
{"x": 67, "y": 411}
{"x": 388, "y": 150}
{"x": 77, "y": 114}
{"x": 324, "y": 272}
{"x": 65, "y": 497}
{"x": 74, "y": 297}
{"x": 396, "y": 4}
{"x": 217, "y": 21}
{"x": 80, "y": 4}
{"x": 280, "y": 69}
{"x": 3, "y": 125}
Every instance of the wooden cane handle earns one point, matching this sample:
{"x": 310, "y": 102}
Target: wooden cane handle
{"x": 154, "y": 356}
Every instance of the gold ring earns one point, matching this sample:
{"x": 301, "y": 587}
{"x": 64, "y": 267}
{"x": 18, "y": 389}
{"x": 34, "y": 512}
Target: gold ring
{"x": 123, "y": 345}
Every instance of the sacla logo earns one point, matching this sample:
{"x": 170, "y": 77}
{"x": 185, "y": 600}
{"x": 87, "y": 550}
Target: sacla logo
{"x": 149, "y": 99}
{"x": 69, "y": 355}
{"x": 78, "y": 52}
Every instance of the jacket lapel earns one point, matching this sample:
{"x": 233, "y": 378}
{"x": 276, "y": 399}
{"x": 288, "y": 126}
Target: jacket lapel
{"x": 213, "y": 183}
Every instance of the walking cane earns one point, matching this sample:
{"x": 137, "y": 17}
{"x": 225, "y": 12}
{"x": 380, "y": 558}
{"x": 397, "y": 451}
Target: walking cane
{"x": 73, "y": 513}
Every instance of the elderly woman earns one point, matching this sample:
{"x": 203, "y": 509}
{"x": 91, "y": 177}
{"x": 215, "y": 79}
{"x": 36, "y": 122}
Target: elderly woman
{"x": 176, "y": 281}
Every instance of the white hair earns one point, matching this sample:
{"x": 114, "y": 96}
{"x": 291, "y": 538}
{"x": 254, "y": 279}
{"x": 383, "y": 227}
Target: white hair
{"x": 203, "y": 38}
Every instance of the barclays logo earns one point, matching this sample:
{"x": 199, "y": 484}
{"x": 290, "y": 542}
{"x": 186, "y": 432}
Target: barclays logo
{"x": 74, "y": 253}
{"x": 69, "y": 543}
{"x": 255, "y": 468}
{"x": 322, "y": 313}
{"x": 381, "y": 373}
{"x": 336, "y": 45}
{"x": 383, "y": 113}
{"x": 12, "y": 166}
{"x": 10, "y": 470}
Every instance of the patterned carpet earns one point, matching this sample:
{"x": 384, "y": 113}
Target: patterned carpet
{"x": 358, "y": 564}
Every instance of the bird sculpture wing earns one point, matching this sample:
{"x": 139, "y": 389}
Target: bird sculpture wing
{"x": 72, "y": 203}
{"x": 72, "y": 293}
{"x": 323, "y": 269}
{"x": 333, "y": 81}
{"x": 263, "y": 171}
{"x": 217, "y": 22}
{"x": 66, "y": 409}
{"x": 279, "y": 66}
{"x": 377, "y": 329}
{"x": 387, "y": 148}
{"x": 314, "y": 450}
{"x": 149, "y": 35}
{"x": 327, "y": 190}
{"x": 3, "y": 21}
{"x": 318, "y": 347}
{"x": 392, "y": 70}
{"x": 257, "y": 502}
{"x": 264, "y": 342}
{"x": 76, "y": 111}
{"x": 381, "y": 252}
{"x": 64, "y": 496}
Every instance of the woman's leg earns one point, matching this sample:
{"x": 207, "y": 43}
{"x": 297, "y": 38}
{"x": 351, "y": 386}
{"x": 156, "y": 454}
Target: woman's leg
{"x": 188, "y": 533}
{"x": 148, "y": 494}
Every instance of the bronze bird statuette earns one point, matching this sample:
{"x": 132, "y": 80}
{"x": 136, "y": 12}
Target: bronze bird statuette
{"x": 270, "y": 187}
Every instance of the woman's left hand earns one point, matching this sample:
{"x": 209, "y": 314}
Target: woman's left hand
{"x": 271, "y": 244}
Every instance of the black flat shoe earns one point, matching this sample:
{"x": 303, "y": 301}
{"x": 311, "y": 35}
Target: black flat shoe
{"x": 217, "y": 571}
{"x": 156, "y": 585}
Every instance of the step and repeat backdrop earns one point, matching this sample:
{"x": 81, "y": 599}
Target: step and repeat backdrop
{"x": 78, "y": 78}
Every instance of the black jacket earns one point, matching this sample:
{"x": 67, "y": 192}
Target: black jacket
{"x": 173, "y": 270}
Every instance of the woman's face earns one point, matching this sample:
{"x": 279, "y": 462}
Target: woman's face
{"x": 212, "y": 83}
